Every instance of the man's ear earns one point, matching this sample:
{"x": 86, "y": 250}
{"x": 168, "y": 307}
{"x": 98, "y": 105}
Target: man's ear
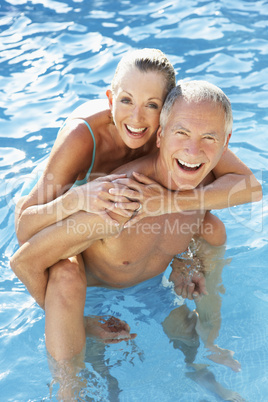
{"x": 227, "y": 141}
{"x": 158, "y": 136}
{"x": 109, "y": 95}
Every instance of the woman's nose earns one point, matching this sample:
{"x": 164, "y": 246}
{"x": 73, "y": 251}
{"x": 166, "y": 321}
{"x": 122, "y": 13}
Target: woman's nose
{"x": 137, "y": 113}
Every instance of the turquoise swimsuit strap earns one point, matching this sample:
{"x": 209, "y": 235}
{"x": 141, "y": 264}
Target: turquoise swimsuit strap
{"x": 85, "y": 179}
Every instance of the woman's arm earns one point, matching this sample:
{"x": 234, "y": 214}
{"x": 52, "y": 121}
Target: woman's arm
{"x": 234, "y": 184}
{"x": 92, "y": 197}
{"x": 53, "y": 199}
{"x": 69, "y": 157}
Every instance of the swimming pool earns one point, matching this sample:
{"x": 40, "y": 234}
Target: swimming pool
{"x": 54, "y": 56}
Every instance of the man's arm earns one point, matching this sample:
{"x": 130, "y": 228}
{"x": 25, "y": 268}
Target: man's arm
{"x": 54, "y": 243}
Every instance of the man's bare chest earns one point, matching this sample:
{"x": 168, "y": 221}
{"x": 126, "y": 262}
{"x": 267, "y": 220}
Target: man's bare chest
{"x": 168, "y": 234}
{"x": 142, "y": 251}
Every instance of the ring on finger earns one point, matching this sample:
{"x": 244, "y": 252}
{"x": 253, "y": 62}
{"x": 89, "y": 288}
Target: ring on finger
{"x": 115, "y": 204}
{"x": 138, "y": 209}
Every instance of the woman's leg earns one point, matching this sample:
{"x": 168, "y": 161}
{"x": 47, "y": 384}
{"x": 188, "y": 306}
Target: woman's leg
{"x": 64, "y": 308}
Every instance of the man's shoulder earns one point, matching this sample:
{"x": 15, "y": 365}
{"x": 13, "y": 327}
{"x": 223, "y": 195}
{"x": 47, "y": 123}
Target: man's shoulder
{"x": 140, "y": 165}
{"x": 210, "y": 178}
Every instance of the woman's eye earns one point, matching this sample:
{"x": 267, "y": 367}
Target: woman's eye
{"x": 125, "y": 100}
{"x": 153, "y": 105}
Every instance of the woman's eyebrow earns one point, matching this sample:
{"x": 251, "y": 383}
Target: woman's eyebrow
{"x": 149, "y": 99}
{"x": 153, "y": 98}
{"x": 127, "y": 93}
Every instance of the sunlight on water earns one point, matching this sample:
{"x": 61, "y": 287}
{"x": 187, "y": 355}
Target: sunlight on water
{"x": 55, "y": 55}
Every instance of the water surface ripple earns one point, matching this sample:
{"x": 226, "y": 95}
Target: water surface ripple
{"x": 54, "y": 55}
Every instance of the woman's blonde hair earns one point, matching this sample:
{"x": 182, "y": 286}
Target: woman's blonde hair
{"x": 146, "y": 60}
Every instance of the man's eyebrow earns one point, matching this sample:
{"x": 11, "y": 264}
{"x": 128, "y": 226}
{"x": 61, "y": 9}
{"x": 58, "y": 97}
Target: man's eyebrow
{"x": 178, "y": 128}
{"x": 212, "y": 134}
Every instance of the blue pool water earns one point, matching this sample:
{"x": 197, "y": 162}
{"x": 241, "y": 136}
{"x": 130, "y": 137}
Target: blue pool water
{"x": 54, "y": 56}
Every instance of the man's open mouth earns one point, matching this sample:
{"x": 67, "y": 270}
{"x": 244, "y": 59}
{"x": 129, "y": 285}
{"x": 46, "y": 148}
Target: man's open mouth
{"x": 189, "y": 167}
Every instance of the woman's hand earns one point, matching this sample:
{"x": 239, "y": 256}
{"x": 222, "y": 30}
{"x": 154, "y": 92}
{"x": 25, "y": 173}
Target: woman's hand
{"x": 153, "y": 199}
{"x": 95, "y": 197}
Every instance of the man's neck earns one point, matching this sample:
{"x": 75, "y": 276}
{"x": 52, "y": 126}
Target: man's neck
{"x": 153, "y": 167}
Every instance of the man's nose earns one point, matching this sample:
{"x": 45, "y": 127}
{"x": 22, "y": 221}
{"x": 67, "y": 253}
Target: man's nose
{"x": 193, "y": 147}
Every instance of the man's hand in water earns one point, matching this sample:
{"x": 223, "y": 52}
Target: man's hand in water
{"x": 190, "y": 284}
{"x": 108, "y": 329}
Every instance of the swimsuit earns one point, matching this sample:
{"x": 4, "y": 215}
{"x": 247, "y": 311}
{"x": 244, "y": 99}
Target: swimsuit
{"x": 85, "y": 179}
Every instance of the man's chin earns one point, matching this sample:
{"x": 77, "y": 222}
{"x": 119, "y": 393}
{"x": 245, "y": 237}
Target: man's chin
{"x": 187, "y": 186}
{"x": 178, "y": 183}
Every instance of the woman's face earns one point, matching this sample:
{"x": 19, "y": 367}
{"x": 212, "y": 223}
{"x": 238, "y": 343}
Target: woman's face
{"x": 136, "y": 105}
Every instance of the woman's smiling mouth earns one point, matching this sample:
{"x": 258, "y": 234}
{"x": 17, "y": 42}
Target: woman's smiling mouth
{"x": 135, "y": 131}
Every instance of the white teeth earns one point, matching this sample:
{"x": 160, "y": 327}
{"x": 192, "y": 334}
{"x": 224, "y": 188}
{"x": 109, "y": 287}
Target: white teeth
{"x": 135, "y": 130}
{"x": 190, "y": 165}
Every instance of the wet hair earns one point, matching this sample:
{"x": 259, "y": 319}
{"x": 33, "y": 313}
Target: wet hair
{"x": 198, "y": 91}
{"x": 146, "y": 60}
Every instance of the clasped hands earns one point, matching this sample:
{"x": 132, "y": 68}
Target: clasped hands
{"x": 132, "y": 198}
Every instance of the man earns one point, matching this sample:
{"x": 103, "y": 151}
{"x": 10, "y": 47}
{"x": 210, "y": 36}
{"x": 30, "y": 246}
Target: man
{"x": 195, "y": 128}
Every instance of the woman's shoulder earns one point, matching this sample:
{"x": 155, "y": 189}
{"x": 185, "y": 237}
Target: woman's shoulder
{"x": 84, "y": 127}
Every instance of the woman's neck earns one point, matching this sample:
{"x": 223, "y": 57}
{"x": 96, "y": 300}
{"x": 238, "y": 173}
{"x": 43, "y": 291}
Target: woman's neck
{"x": 129, "y": 153}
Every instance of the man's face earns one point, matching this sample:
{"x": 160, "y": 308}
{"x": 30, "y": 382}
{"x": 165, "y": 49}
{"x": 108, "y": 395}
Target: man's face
{"x": 192, "y": 143}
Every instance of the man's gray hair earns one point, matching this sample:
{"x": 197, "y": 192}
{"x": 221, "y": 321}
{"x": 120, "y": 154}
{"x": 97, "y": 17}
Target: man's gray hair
{"x": 198, "y": 91}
